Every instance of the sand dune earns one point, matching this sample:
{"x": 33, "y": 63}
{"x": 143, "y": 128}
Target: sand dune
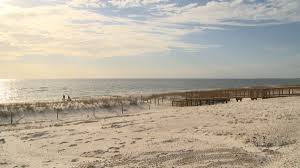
{"x": 262, "y": 133}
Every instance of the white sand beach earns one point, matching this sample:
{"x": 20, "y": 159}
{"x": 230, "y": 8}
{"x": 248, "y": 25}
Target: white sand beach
{"x": 262, "y": 133}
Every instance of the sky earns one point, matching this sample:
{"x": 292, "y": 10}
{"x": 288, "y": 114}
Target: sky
{"x": 149, "y": 39}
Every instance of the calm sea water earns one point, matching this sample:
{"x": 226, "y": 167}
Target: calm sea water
{"x": 48, "y": 90}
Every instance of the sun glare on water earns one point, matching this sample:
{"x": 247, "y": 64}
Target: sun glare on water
{"x": 5, "y": 90}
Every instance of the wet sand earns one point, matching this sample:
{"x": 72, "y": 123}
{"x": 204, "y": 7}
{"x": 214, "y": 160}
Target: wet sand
{"x": 262, "y": 133}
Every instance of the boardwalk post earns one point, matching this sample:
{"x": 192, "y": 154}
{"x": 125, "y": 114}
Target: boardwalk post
{"x": 122, "y": 108}
{"x": 94, "y": 112}
{"x": 149, "y": 106}
{"x": 56, "y": 114}
{"x": 279, "y": 91}
{"x": 11, "y": 118}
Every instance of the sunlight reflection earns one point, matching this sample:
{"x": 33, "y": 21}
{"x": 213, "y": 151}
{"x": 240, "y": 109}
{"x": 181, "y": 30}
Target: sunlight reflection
{"x": 5, "y": 89}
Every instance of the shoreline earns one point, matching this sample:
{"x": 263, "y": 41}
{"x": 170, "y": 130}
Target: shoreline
{"x": 144, "y": 94}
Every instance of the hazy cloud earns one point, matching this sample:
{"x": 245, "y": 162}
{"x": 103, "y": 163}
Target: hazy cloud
{"x": 82, "y": 28}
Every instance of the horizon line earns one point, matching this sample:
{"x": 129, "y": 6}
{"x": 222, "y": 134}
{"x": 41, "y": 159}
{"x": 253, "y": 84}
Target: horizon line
{"x": 141, "y": 78}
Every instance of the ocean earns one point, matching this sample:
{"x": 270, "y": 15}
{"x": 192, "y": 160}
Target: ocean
{"x": 12, "y": 91}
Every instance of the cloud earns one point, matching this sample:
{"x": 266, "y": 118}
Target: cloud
{"x": 87, "y": 3}
{"x": 63, "y": 30}
{"x": 84, "y": 28}
{"x": 134, "y": 3}
{"x": 226, "y": 12}
{"x": 114, "y": 3}
{"x": 235, "y": 12}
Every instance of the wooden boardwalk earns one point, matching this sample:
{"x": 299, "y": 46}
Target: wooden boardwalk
{"x": 198, "y": 98}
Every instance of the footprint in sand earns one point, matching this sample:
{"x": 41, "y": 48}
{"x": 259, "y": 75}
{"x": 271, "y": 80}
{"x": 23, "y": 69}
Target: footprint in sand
{"x": 61, "y": 150}
{"x": 70, "y": 130}
{"x": 2, "y": 141}
{"x": 100, "y": 139}
{"x": 113, "y": 149}
{"x": 196, "y": 129}
{"x": 170, "y": 140}
{"x": 75, "y": 160}
{"x": 182, "y": 130}
{"x": 3, "y": 163}
{"x": 121, "y": 143}
{"x": 47, "y": 161}
{"x": 96, "y": 154}
{"x": 72, "y": 145}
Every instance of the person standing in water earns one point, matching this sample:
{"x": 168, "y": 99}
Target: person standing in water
{"x": 64, "y": 98}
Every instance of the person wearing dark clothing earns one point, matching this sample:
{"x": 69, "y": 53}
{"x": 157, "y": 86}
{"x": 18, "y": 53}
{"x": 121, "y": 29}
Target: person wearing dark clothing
{"x": 69, "y": 98}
